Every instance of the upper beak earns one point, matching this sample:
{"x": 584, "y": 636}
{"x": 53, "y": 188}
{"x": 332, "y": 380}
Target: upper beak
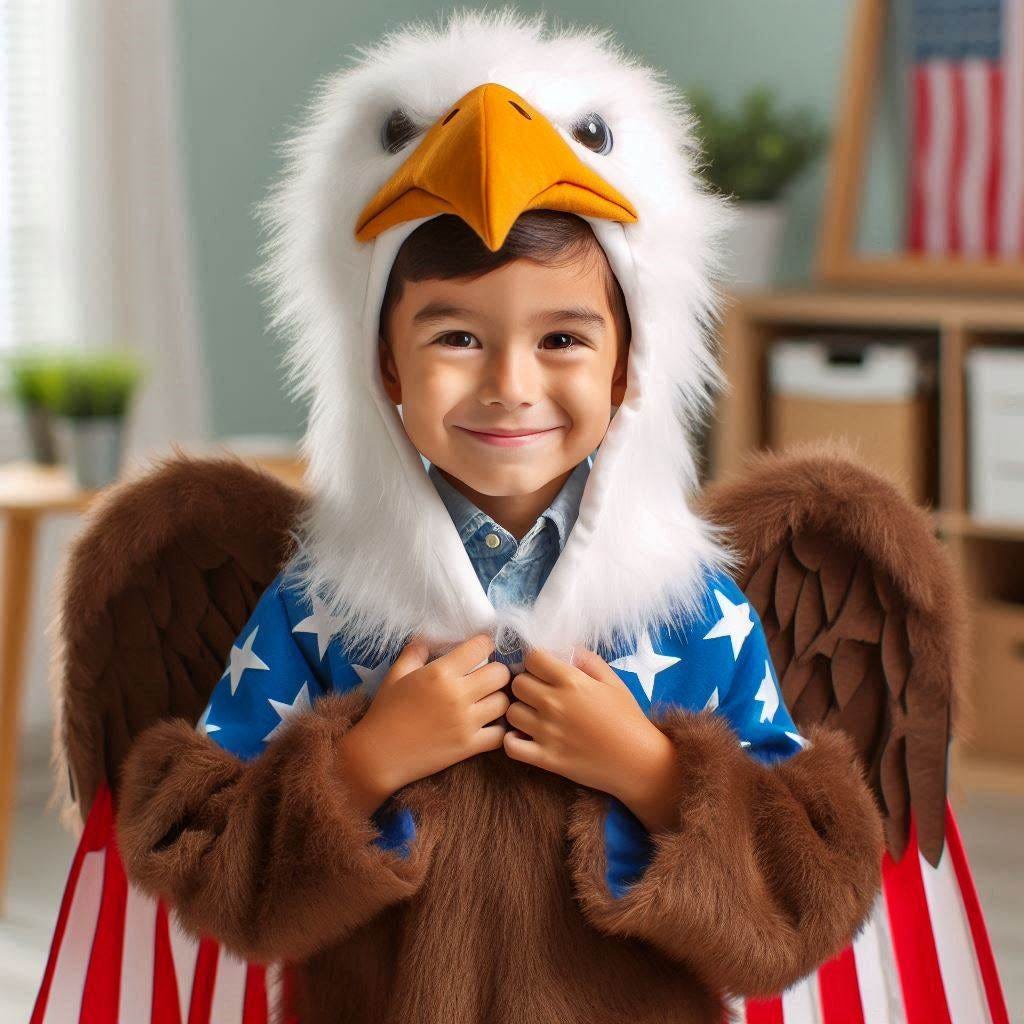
{"x": 490, "y": 158}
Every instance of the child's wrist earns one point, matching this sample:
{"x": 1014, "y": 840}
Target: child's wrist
{"x": 365, "y": 773}
{"x": 649, "y": 788}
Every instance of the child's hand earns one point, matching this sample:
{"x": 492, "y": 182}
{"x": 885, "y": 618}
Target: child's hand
{"x": 427, "y": 716}
{"x": 577, "y": 716}
{"x": 586, "y": 726}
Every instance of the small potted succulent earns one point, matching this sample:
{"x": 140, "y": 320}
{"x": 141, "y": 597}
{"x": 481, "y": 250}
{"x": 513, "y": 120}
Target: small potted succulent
{"x": 91, "y": 393}
{"x": 29, "y": 384}
{"x": 752, "y": 155}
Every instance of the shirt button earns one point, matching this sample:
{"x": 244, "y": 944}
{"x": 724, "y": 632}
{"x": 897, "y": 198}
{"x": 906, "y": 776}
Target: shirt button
{"x": 492, "y": 540}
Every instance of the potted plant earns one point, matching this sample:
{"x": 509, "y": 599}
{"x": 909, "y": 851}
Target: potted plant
{"x": 752, "y": 155}
{"x": 29, "y": 378}
{"x": 91, "y": 394}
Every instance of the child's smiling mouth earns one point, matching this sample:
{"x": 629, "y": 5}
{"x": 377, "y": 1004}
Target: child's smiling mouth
{"x": 515, "y": 438}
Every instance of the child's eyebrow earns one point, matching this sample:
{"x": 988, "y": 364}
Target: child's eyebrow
{"x": 440, "y": 310}
{"x": 580, "y": 314}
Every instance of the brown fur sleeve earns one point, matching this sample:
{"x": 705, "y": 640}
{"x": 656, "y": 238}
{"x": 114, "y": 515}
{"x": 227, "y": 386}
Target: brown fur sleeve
{"x": 265, "y": 855}
{"x": 768, "y": 871}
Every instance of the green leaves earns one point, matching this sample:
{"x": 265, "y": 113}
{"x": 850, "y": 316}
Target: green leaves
{"x": 77, "y": 385}
{"x": 753, "y": 153}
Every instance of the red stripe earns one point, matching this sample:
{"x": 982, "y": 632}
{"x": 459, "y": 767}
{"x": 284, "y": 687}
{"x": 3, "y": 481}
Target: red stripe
{"x": 912, "y": 936}
{"x": 166, "y": 1009}
{"x": 840, "y": 990}
{"x": 288, "y": 1007}
{"x": 919, "y": 147}
{"x": 958, "y": 153}
{"x": 254, "y": 1010}
{"x": 95, "y": 836}
{"x": 993, "y": 183}
{"x": 203, "y": 982}
{"x": 102, "y": 993}
{"x": 765, "y": 1011}
{"x": 976, "y": 920}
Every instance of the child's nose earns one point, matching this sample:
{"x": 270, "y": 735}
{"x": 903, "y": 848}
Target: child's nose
{"x": 510, "y": 380}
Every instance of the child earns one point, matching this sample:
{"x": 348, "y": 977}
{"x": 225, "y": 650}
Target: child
{"x": 612, "y": 816}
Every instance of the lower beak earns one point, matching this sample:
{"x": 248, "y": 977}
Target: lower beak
{"x": 489, "y": 159}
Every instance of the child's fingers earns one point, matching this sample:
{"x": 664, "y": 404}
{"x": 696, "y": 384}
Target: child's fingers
{"x": 520, "y": 748}
{"x": 548, "y": 667}
{"x": 491, "y": 676}
{"x": 413, "y": 655}
{"x": 593, "y": 665}
{"x": 468, "y": 655}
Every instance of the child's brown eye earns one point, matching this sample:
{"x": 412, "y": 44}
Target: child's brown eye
{"x": 457, "y": 339}
{"x": 560, "y": 341}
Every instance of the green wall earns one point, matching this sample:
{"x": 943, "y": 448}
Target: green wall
{"x": 249, "y": 67}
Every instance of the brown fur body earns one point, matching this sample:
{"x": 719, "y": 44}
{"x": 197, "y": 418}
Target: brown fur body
{"x": 501, "y": 914}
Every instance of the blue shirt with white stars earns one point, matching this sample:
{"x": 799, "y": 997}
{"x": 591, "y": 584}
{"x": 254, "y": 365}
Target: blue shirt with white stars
{"x": 288, "y": 655}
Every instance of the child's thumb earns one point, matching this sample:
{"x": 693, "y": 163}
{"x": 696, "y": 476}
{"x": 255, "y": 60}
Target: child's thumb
{"x": 413, "y": 656}
{"x": 590, "y": 662}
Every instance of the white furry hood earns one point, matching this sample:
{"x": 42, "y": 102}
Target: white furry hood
{"x": 378, "y": 545}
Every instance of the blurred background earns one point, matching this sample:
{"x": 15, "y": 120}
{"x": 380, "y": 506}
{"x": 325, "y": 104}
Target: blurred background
{"x": 875, "y": 292}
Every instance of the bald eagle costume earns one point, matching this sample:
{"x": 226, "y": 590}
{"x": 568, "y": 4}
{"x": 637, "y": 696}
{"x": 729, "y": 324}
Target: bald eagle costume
{"x": 796, "y": 633}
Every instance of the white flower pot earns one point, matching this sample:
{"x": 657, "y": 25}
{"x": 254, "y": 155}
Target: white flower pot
{"x": 94, "y": 447}
{"x": 752, "y": 245}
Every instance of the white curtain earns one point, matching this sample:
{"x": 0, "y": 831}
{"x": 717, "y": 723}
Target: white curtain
{"x": 130, "y": 240}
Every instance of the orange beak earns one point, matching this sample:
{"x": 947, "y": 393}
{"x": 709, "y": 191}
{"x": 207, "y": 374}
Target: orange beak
{"x": 489, "y": 159}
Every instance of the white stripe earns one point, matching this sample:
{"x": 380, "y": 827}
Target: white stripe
{"x": 65, "y": 1001}
{"x": 184, "y": 950}
{"x": 937, "y": 158}
{"x": 977, "y": 146}
{"x": 800, "y": 1002}
{"x": 137, "y": 956}
{"x": 275, "y": 994}
{"x": 229, "y": 989}
{"x": 736, "y": 1010}
{"x": 877, "y": 976}
{"x": 961, "y": 974}
{"x": 1012, "y": 197}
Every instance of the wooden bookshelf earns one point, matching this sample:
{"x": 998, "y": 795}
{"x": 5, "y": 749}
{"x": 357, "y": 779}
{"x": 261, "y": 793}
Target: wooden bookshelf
{"x": 990, "y": 556}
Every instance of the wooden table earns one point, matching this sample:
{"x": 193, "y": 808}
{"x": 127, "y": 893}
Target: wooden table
{"x": 29, "y": 493}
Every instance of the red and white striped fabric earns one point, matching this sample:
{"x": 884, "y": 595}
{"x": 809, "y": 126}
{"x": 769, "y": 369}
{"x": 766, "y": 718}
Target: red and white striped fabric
{"x": 118, "y": 956}
{"x": 966, "y": 175}
{"x": 924, "y": 956}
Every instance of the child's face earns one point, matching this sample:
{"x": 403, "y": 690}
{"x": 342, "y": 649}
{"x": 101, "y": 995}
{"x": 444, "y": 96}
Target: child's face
{"x": 505, "y": 352}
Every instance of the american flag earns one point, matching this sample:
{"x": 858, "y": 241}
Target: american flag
{"x": 119, "y": 957}
{"x": 966, "y": 177}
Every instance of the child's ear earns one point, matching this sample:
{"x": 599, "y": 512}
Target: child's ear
{"x": 619, "y": 377}
{"x": 389, "y": 371}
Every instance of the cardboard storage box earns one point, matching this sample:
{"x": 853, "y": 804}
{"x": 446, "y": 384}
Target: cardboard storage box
{"x": 997, "y": 699}
{"x": 876, "y": 396}
{"x": 995, "y": 398}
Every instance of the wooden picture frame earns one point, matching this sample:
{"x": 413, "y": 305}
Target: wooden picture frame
{"x": 838, "y": 262}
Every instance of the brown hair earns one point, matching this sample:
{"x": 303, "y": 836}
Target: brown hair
{"x": 447, "y": 247}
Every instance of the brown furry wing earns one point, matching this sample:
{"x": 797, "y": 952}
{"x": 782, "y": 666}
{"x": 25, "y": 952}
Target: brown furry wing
{"x": 864, "y": 615}
{"x": 157, "y": 586}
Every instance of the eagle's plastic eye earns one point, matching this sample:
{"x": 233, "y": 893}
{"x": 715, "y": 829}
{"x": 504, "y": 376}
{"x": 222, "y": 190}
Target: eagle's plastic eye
{"x": 593, "y": 132}
{"x": 397, "y": 130}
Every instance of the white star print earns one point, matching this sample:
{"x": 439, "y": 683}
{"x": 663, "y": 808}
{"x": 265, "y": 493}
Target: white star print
{"x": 242, "y": 658}
{"x": 287, "y": 711}
{"x": 735, "y": 623}
{"x": 799, "y": 740}
{"x": 322, "y": 623}
{"x": 767, "y": 694}
{"x": 645, "y": 664}
{"x": 204, "y": 725}
{"x": 712, "y": 704}
{"x": 371, "y": 678}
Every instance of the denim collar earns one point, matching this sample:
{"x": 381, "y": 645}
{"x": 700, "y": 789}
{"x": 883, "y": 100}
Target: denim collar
{"x": 561, "y": 512}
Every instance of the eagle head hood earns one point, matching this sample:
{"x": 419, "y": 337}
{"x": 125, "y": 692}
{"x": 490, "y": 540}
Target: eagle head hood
{"x": 495, "y": 102}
